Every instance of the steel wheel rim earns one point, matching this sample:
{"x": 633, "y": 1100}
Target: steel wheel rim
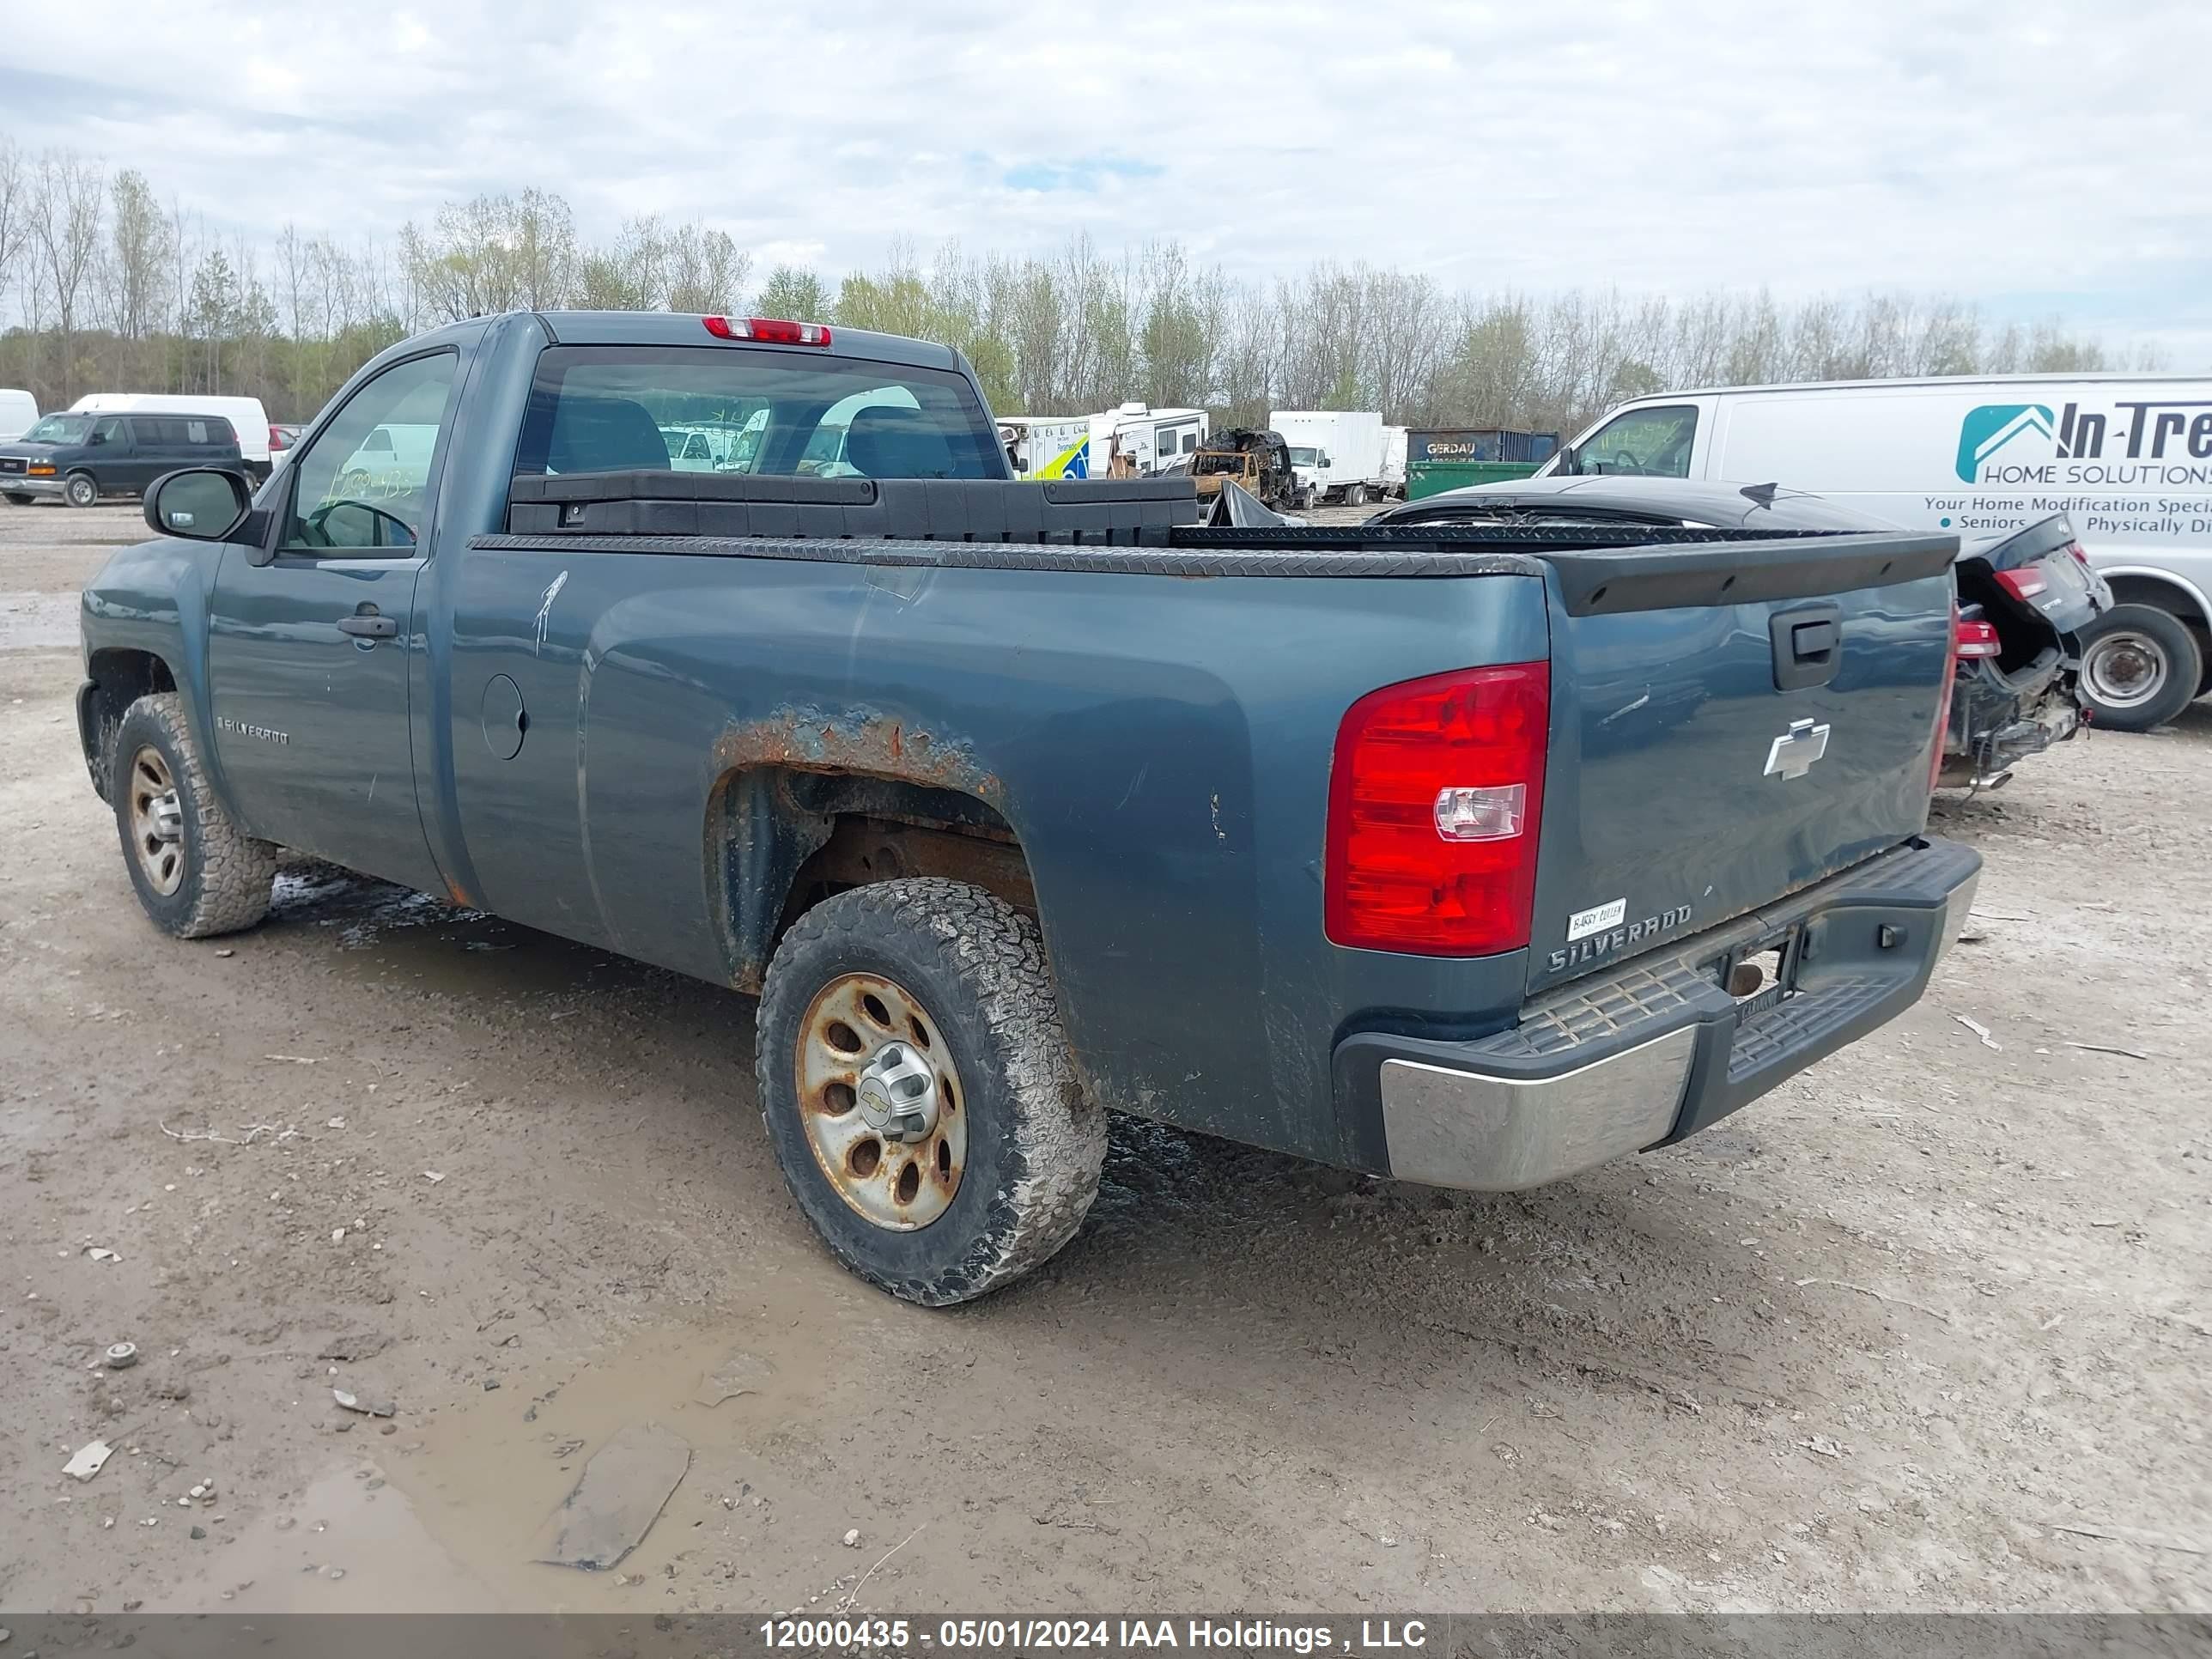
{"x": 157, "y": 824}
{"x": 860, "y": 1030}
{"x": 81, "y": 490}
{"x": 2124, "y": 669}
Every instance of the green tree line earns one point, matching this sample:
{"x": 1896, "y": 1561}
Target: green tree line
{"x": 103, "y": 288}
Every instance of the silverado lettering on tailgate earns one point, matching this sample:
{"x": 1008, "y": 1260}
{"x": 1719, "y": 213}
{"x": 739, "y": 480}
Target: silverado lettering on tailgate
{"x": 1579, "y": 951}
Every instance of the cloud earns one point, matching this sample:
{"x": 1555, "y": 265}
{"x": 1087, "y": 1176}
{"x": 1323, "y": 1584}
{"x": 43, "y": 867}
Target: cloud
{"x": 2037, "y": 149}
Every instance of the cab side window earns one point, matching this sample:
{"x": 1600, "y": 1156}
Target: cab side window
{"x": 1642, "y": 443}
{"x": 356, "y": 491}
{"x": 109, "y": 431}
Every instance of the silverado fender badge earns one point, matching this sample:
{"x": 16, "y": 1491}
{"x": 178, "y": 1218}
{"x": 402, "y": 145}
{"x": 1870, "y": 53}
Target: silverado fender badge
{"x": 1792, "y": 754}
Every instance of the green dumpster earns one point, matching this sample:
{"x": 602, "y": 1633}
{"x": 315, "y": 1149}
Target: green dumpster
{"x": 1434, "y": 477}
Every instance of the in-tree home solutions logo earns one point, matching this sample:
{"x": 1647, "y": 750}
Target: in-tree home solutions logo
{"x": 2154, "y": 442}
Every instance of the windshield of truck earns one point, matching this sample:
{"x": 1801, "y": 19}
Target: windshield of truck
{"x": 1305, "y": 456}
{"x": 605, "y": 409}
{"x": 60, "y": 429}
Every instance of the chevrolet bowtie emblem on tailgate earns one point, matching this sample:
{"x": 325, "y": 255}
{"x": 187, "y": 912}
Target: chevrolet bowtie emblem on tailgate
{"x": 1792, "y": 754}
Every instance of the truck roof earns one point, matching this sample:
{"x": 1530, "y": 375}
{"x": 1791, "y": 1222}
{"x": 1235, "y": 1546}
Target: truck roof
{"x": 689, "y": 328}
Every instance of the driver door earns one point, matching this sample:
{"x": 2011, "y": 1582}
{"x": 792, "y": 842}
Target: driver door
{"x": 311, "y": 635}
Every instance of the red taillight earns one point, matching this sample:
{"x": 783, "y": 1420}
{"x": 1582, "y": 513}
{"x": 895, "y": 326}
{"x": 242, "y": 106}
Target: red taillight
{"x": 1944, "y": 705}
{"x": 2081, "y": 555}
{"x": 2022, "y": 585}
{"x": 276, "y": 439}
{"x": 768, "y": 331}
{"x": 1434, "y": 799}
{"x": 1976, "y": 638}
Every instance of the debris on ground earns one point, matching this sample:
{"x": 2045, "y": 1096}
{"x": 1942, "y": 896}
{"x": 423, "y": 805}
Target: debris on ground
{"x": 1978, "y": 1029}
{"x": 432, "y": 1177}
{"x": 367, "y": 1407}
{"x": 616, "y": 1499}
{"x": 738, "y": 1372}
{"x": 100, "y": 1254}
{"x": 851, "y": 1538}
{"x": 2119, "y": 1535}
{"x": 121, "y": 1356}
{"x": 88, "y": 1460}
{"x": 353, "y": 1345}
{"x": 2108, "y": 1048}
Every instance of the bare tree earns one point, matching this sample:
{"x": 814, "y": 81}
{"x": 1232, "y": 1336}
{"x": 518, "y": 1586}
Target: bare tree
{"x": 67, "y": 230}
{"x": 16, "y": 208}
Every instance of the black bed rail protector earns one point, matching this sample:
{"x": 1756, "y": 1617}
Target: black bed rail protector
{"x": 1660, "y": 569}
{"x": 1099, "y": 557}
{"x": 1120, "y": 512}
{"x": 1604, "y": 569}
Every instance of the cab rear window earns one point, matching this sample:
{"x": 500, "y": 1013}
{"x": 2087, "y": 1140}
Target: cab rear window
{"x": 789, "y": 413}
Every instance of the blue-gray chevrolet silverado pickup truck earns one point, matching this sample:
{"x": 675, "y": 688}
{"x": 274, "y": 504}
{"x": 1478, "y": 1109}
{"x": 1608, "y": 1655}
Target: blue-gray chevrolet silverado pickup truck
{"x": 1473, "y": 855}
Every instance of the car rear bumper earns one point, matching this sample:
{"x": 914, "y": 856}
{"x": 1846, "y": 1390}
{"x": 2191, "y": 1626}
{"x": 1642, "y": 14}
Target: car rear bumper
{"x": 1656, "y": 1050}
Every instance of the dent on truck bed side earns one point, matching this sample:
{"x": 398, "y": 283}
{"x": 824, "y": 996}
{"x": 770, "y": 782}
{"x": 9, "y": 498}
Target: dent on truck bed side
{"x": 1157, "y": 747}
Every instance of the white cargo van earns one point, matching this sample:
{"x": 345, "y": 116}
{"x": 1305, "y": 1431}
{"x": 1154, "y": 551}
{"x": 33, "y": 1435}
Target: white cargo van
{"x": 19, "y": 413}
{"x": 247, "y": 416}
{"x": 1344, "y": 452}
{"x": 2127, "y": 457}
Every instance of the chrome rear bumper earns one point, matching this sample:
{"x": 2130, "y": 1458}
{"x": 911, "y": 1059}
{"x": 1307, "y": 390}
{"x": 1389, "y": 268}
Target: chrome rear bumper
{"x": 1656, "y": 1050}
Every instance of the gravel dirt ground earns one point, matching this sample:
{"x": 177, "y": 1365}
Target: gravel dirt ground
{"x": 1927, "y": 1329}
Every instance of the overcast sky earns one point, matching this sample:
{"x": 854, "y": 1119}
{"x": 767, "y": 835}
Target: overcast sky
{"x": 2036, "y": 157}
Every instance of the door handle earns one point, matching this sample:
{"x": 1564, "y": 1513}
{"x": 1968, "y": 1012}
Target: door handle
{"x": 366, "y": 624}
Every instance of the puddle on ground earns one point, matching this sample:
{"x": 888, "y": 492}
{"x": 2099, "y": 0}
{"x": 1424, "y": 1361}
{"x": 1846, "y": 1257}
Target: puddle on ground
{"x": 396, "y": 935}
{"x": 779, "y": 1467}
{"x": 349, "y": 1542}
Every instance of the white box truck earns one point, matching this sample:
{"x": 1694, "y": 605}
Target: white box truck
{"x": 1340, "y": 454}
{"x": 1393, "y": 461}
{"x": 2128, "y": 458}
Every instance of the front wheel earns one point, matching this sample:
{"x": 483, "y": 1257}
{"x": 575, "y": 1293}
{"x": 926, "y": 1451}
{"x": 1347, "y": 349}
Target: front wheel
{"x": 196, "y": 872}
{"x": 2141, "y": 666}
{"x": 916, "y": 1086}
{"x": 81, "y": 489}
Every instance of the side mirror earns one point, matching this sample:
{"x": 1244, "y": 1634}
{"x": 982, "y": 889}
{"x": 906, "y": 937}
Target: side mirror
{"x": 200, "y": 503}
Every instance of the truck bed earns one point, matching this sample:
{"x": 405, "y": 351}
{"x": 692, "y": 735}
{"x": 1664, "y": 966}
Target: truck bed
{"x": 1148, "y": 527}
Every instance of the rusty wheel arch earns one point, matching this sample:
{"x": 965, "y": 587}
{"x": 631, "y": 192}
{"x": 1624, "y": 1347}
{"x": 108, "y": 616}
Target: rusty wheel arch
{"x": 807, "y": 803}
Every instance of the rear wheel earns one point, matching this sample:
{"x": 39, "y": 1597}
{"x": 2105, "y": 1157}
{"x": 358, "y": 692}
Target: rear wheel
{"x": 2141, "y": 666}
{"x": 81, "y": 490}
{"x": 916, "y": 1086}
{"x": 1356, "y": 495}
{"x": 196, "y": 873}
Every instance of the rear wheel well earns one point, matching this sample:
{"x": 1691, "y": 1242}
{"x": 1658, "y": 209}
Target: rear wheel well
{"x": 118, "y": 679}
{"x": 2155, "y": 591}
{"x": 785, "y": 839}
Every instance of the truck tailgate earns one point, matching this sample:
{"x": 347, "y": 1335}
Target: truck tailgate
{"x": 1730, "y": 724}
